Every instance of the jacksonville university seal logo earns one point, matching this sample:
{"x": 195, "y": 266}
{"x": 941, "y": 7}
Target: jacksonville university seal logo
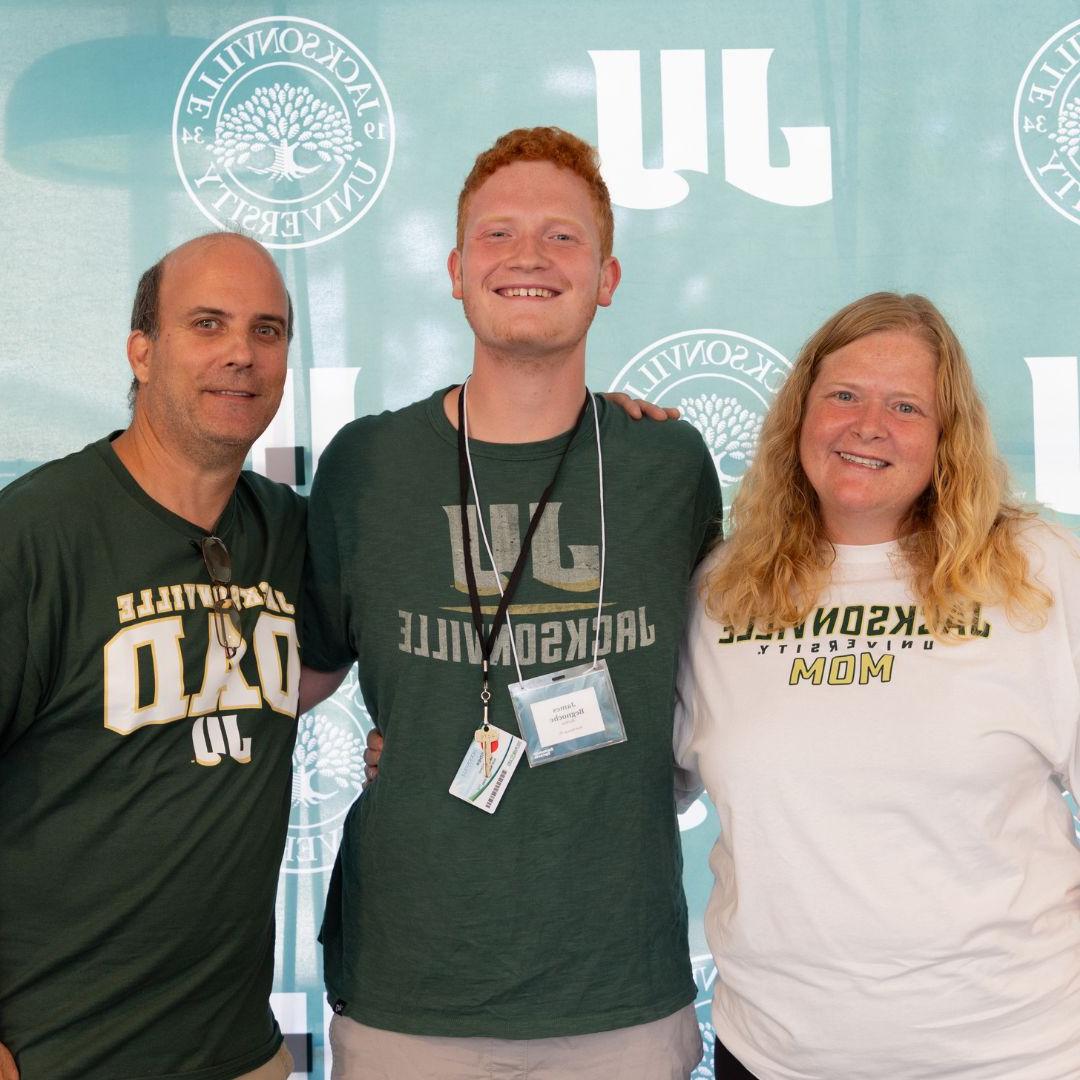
{"x": 328, "y": 771}
{"x": 283, "y": 128}
{"x": 1046, "y": 121}
{"x": 723, "y": 382}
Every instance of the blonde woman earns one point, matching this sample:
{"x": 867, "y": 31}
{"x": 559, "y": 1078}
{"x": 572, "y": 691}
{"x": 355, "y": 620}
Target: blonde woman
{"x": 881, "y": 694}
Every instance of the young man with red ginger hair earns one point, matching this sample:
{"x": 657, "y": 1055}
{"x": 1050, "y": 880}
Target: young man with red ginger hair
{"x": 547, "y": 937}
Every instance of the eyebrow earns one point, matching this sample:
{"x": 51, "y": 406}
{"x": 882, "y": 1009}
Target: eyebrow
{"x": 853, "y": 384}
{"x": 551, "y": 219}
{"x": 258, "y": 317}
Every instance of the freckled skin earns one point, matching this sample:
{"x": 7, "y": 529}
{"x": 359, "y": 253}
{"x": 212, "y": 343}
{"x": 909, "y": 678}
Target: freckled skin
{"x": 532, "y": 224}
{"x": 876, "y": 398}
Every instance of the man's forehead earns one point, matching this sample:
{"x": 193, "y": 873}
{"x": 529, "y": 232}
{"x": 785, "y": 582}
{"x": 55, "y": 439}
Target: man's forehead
{"x": 212, "y": 249}
{"x": 218, "y": 260}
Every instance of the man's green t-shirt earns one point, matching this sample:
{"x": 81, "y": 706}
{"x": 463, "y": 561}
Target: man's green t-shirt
{"x": 144, "y": 782}
{"x": 563, "y": 912}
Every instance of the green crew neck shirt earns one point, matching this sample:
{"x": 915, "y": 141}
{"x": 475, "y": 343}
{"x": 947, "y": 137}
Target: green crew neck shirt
{"x": 563, "y": 912}
{"x": 144, "y": 789}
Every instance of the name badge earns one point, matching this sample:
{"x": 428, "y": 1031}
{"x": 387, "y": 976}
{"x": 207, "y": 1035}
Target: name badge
{"x": 567, "y": 712}
{"x": 486, "y": 769}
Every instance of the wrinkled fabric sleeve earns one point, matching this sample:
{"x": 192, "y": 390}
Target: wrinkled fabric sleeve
{"x": 1072, "y": 766}
{"x": 325, "y": 634}
{"x": 1063, "y": 547}
{"x": 689, "y": 708}
{"x": 708, "y": 532}
{"x": 708, "y": 509}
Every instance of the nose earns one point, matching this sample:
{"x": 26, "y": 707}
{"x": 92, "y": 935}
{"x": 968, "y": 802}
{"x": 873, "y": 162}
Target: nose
{"x": 241, "y": 349}
{"x": 528, "y": 253}
{"x": 869, "y": 422}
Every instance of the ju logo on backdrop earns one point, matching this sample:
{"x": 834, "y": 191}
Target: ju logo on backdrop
{"x": 1055, "y": 403}
{"x": 283, "y": 128}
{"x": 804, "y": 180}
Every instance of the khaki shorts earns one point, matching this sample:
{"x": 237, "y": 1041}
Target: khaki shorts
{"x": 667, "y": 1049}
{"x": 277, "y": 1068}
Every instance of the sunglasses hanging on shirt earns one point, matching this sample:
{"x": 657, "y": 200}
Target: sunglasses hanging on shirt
{"x": 225, "y": 616}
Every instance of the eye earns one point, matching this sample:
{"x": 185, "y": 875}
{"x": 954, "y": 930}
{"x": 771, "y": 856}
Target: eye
{"x": 844, "y": 395}
{"x": 268, "y": 330}
{"x": 907, "y": 408}
{"x": 207, "y": 323}
{"x": 562, "y": 236}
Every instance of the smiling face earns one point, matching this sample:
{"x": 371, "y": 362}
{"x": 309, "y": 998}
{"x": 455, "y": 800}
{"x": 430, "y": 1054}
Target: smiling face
{"x": 530, "y": 271}
{"x": 212, "y": 379}
{"x": 869, "y": 434}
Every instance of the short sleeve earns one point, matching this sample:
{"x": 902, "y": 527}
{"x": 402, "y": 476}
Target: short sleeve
{"x": 688, "y": 706}
{"x": 708, "y": 509}
{"x": 325, "y": 643}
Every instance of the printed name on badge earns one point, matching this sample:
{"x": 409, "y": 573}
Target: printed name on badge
{"x": 569, "y": 712}
{"x": 568, "y": 717}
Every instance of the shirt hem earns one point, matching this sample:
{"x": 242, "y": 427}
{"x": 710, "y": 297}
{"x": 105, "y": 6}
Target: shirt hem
{"x": 525, "y": 1027}
{"x": 228, "y": 1071}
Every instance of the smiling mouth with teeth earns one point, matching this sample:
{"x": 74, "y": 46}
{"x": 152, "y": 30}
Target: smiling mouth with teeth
{"x": 543, "y": 294}
{"x": 868, "y": 462}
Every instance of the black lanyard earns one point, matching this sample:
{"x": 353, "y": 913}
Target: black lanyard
{"x": 487, "y": 644}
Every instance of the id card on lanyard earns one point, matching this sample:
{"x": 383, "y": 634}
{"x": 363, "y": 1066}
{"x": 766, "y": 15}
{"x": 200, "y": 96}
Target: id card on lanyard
{"x": 561, "y": 713}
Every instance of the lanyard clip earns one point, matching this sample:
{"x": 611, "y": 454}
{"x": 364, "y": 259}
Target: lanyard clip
{"x": 485, "y": 693}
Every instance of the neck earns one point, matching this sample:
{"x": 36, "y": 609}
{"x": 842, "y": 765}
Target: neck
{"x": 196, "y": 491}
{"x": 518, "y": 402}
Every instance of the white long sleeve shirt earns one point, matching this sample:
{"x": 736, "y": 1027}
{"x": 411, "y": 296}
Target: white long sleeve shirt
{"x": 897, "y": 889}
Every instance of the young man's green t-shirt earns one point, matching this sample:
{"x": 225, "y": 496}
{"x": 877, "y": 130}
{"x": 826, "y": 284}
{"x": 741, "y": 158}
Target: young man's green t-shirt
{"x": 562, "y": 913}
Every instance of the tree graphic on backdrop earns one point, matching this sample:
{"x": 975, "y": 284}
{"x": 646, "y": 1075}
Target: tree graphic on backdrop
{"x": 1067, "y": 135}
{"x": 328, "y": 752}
{"x": 730, "y": 431}
{"x": 264, "y": 132}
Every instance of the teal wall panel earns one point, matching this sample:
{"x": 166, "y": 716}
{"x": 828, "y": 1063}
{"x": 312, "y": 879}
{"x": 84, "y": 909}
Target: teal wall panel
{"x": 771, "y": 160}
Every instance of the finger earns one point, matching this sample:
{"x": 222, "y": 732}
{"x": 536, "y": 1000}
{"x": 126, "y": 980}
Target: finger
{"x": 370, "y": 773}
{"x": 374, "y": 740}
{"x": 659, "y": 412}
{"x": 371, "y": 757}
{"x": 631, "y": 406}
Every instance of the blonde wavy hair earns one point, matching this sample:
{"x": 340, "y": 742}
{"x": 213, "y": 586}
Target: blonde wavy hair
{"x": 960, "y": 538}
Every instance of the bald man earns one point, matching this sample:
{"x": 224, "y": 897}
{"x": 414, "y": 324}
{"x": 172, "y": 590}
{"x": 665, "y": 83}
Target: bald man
{"x": 148, "y": 693}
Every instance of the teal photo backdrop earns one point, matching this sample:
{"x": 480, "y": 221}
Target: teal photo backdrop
{"x": 770, "y": 161}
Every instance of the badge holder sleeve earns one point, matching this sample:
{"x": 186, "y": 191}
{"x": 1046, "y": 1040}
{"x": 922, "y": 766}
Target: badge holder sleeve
{"x": 569, "y": 712}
